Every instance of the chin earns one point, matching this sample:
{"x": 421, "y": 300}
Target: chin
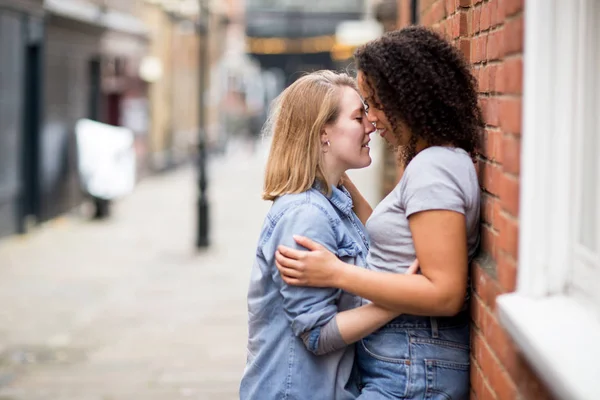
{"x": 366, "y": 163}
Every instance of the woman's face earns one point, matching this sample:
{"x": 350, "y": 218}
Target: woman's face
{"x": 348, "y": 136}
{"x": 376, "y": 116}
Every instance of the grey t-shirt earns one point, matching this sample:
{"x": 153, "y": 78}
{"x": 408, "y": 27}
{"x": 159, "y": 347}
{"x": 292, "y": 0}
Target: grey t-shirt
{"x": 437, "y": 178}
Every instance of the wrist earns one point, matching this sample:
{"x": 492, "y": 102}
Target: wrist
{"x": 338, "y": 277}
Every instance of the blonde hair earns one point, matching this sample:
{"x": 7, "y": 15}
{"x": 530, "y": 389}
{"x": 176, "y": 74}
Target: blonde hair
{"x": 297, "y": 119}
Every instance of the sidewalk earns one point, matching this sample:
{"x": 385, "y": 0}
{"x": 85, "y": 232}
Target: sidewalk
{"x": 126, "y": 309}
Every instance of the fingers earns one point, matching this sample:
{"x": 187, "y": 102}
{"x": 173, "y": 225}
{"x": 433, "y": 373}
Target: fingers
{"x": 413, "y": 267}
{"x": 287, "y": 263}
{"x": 287, "y": 272}
{"x": 291, "y": 253}
{"x": 306, "y": 242}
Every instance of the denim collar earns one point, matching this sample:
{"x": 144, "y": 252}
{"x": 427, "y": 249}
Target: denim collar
{"x": 340, "y": 198}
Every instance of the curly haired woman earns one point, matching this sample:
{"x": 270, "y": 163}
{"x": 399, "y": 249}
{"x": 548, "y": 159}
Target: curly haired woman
{"x": 422, "y": 99}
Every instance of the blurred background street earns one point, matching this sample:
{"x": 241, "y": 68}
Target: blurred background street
{"x": 131, "y": 163}
{"x": 125, "y": 308}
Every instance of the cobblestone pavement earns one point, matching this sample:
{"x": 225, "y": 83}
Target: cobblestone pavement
{"x": 127, "y": 309}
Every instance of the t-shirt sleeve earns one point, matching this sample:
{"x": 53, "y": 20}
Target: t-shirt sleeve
{"x": 433, "y": 184}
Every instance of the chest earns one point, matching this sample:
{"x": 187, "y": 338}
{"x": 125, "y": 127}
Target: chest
{"x": 388, "y": 223}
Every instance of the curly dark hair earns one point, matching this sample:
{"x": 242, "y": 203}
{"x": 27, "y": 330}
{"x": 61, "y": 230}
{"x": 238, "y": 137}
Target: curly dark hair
{"x": 422, "y": 82}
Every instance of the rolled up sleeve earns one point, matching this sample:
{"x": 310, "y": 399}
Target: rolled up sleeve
{"x": 307, "y": 309}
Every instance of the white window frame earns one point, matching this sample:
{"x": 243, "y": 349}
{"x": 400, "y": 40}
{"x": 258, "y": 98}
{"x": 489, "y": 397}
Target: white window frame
{"x": 555, "y": 330}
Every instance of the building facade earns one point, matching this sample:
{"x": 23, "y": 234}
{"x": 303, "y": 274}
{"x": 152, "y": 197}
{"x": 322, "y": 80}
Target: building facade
{"x": 61, "y": 61}
{"x": 21, "y": 46}
{"x": 535, "y": 304}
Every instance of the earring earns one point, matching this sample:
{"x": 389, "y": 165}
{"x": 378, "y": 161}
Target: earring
{"x": 328, "y": 143}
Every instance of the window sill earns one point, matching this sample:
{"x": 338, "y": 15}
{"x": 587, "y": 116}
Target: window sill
{"x": 559, "y": 338}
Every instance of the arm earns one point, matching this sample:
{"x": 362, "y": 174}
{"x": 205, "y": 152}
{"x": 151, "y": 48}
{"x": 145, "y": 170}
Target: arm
{"x": 352, "y": 325}
{"x": 440, "y": 243}
{"x": 313, "y": 312}
{"x": 435, "y": 207}
{"x": 441, "y": 247}
{"x": 362, "y": 208}
{"x": 357, "y": 323}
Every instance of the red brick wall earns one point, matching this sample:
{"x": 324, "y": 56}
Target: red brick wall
{"x": 490, "y": 35}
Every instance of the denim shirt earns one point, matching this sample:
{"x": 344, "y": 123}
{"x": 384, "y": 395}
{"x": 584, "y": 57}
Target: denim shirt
{"x": 279, "y": 365}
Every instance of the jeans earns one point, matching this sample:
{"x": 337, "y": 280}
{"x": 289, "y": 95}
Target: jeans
{"x": 416, "y": 358}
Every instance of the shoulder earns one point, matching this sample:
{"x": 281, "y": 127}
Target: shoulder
{"x": 310, "y": 205}
{"x": 439, "y": 163}
{"x": 307, "y": 214}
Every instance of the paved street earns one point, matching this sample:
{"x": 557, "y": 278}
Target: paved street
{"x": 126, "y": 309}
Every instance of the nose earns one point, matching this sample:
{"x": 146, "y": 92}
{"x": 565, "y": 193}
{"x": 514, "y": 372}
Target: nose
{"x": 372, "y": 118}
{"x": 369, "y": 127}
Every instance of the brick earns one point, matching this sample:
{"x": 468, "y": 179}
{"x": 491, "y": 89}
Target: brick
{"x": 500, "y": 86}
{"x": 465, "y": 3}
{"x": 491, "y": 111}
{"x": 464, "y": 24}
{"x": 478, "y": 312}
{"x": 477, "y": 379}
{"x": 513, "y": 75}
{"x": 464, "y": 46}
{"x": 491, "y": 178}
{"x": 485, "y": 16}
{"x": 486, "y": 360}
{"x": 492, "y": 77}
{"x": 509, "y": 194}
{"x": 488, "y": 240}
{"x": 457, "y": 26}
{"x": 489, "y": 208}
{"x": 493, "y": 145}
{"x": 504, "y": 387}
{"x": 512, "y": 7}
{"x": 482, "y": 47}
{"x": 483, "y": 80}
{"x": 450, "y": 7}
{"x": 511, "y": 154}
{"x": 510, "y": 115}
{"x": 476, "y": 19}
{"x": 497, "y": 12}
{"x": 488, "y": 342}
{"x": 508, "y": 238}
{"x": 507, "y": 272}
{"x": 513, "y": 36}
{"x": 484, "y": 285}
{"x": 495, "y": 45}
{"x": 496, "y": 210}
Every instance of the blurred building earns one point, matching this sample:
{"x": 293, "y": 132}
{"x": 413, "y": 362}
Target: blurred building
{"x": 172, "y": 70}
{"x": 61, "y": 60}
{"x": 536, "y": 301}
{"x": 294, "y": 36}
{"x": 21, "y": 44}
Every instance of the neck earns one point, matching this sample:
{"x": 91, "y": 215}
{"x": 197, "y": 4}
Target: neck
{"x": 332, "y": 173}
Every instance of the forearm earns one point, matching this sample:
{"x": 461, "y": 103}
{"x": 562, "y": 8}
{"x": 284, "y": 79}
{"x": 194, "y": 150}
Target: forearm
{"x": 407, "y": 294}
{"x": 362, "y": 208}
{"x": 359, "y": 322}
{"x": 346, "y": 328}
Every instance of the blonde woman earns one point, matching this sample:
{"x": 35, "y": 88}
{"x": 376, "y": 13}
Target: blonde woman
{"x": 298, "y": 344}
